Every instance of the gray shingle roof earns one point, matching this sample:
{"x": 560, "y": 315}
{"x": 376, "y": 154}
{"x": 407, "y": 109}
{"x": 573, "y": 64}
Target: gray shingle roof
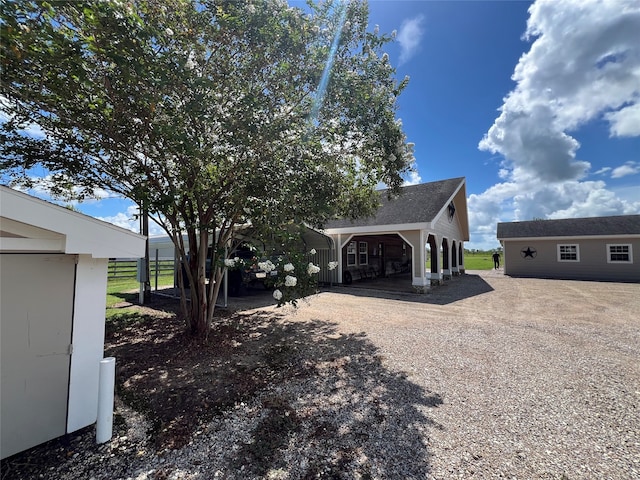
{"x": 415, "y": 204}
{"x": 571, "y": 227}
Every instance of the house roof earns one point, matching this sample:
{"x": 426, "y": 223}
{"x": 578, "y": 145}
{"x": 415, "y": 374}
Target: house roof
{"x": 571, "y": 227}
{"x": 28, "y": 224}
{"x": 421, "y": 203}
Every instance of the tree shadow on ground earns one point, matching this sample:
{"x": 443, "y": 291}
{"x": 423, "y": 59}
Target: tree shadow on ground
{"x": 343, "y": 410}
{"x": 451, "y": 291}
{"x": 324, "y": 397}
{"x": 266, "y": 397}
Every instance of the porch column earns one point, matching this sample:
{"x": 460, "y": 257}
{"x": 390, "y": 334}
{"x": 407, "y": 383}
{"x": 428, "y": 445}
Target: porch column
{"x": 338, "y": 245}
{"x": 420, "y": 281}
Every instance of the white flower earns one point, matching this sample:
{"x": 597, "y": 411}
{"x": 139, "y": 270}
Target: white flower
{"x": 229, "y": 262}
{"x": 385, "y": 57}
{"x": 169, "y": 32}
{"x": 313, "y": 251}
{"x": 266, "y": 266}
{"x": 376, "y": 30}
{"x": 191, "y": 62}
{"x": 394, "y": 34}
{"x": 333, "y": 265}
{"x": 288, "y": 267}
{"x": 312, "y": 269}
{"x": 277, "y": 294}
{"x": 290, "y": 281}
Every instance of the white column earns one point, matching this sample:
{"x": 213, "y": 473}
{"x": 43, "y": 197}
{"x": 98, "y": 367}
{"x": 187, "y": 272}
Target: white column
{"x": 421, "y": 283}
{"x": 339, "y": 257}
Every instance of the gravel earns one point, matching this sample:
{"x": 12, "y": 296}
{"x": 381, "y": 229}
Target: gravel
{"x": 484, "y": 377}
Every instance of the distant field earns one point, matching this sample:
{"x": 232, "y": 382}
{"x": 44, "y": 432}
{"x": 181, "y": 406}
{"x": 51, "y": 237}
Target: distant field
{"x": 478, "y": 261}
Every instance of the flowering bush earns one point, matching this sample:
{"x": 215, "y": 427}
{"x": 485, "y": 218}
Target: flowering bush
{"x": 267, "y": 266}
{"x": 292, "y": 276}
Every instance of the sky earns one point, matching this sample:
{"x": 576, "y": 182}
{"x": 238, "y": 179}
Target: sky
{"x": 537, "y": 104}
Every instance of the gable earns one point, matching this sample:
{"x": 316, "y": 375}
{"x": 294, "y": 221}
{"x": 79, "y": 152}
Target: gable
{"x": 416, "y": 204}
{"x": 29, "y": 224}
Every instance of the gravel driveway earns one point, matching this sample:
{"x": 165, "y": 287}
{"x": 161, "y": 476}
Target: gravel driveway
{"x": 537, "y": 378}
{"x": 484, "y": 377}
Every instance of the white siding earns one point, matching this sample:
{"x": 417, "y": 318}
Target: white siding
{"x": 88, "y": 341}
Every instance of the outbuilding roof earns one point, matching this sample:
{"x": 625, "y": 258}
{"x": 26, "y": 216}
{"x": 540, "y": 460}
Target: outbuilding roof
{"x": 28, "y": 224}
{"x": 416, "y": 204}
{"x": 571, "y": 227}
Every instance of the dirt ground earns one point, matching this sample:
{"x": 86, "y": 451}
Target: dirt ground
{"x": 499, "y": 354}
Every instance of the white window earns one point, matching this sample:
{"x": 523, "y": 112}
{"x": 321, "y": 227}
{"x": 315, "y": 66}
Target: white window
{"x": 351, "y": 253}
{"x": 568, "y": 253}
{"x": 619, "y": 253}
{"x": 364, "y": 253}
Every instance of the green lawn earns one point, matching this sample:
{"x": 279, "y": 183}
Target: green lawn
{"x": 127, "y": 290}
{"x": 480, "y": 261}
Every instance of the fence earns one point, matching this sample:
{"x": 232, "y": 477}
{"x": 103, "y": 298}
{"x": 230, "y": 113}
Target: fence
{"x": 128, "y": 269}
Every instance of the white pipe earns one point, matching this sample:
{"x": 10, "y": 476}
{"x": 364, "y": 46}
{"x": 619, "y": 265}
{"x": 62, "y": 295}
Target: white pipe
{"x": 104, "y": 426}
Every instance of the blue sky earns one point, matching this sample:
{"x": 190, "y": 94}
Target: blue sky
{"x": 537, "y": 104}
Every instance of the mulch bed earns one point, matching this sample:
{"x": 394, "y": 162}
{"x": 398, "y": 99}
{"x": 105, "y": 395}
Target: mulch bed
{"x": 178, "y": 383}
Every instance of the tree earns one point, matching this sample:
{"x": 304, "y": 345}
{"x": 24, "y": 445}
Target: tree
{"x": 208, "y": 114}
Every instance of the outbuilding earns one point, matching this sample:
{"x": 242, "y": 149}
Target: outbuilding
{"x": 420, "y": 234}
{"x": 595, "y": 248}
{"x": 53, "y": 282}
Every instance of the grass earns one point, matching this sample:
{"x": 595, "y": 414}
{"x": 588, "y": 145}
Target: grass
{"x": 127, "y": 290}
{"x": 479, "y": 261}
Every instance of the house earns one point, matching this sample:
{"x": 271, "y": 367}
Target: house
{"x": 597, "y": 248}
{"x": 53, "y": 282}
{"x": 419, "y": 234}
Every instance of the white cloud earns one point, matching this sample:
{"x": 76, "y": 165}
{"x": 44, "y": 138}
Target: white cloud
{"x": 583, "y": 66}
{"x": 409, "y": 37}
{"x": 31, "y": 130}
{"x": 602, "y": 171}
{"x": 626, "y": 121}
{"x": 509, "y": 201}
{"x": 130, "y": 221}
{"x": 629, "y": 168}
{"x": 44, "y": 185}
{"x": 414, "y": 178}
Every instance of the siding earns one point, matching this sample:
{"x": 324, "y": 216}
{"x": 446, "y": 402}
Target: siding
{"x": 453, "y": 232}
{"x": 593, "y": 263}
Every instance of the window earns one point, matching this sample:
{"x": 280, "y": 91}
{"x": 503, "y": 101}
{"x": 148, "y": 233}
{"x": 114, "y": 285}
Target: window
{"x": 351, "y": 253}
{"x": 364, "y": 253}
{"x": 568, "y": 253}
{"x": 619, "y": 253}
